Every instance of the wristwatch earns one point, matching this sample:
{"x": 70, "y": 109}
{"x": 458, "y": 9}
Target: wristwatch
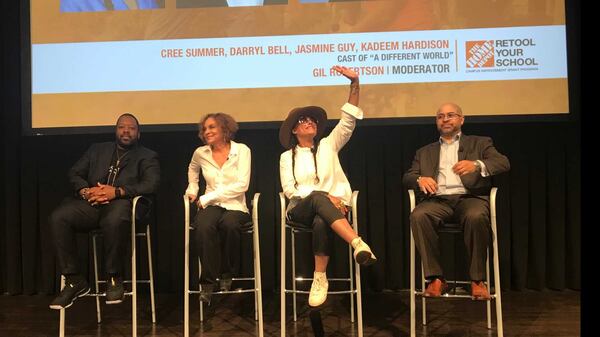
{"x": 477, "y": 165}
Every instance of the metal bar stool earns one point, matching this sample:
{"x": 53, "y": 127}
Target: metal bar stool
{"x": 454, "y": 229}
{"x": 134, "y": 281}
{"x": 249, "y": 228}
{"x": 353, "y": 279}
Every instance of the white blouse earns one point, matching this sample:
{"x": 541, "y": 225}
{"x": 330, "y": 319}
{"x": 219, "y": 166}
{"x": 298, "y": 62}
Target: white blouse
{"x": 331, "y": 176}
{"x": 226, "y": 186}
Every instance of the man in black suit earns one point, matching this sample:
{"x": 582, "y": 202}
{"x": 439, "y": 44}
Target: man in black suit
{"x": 104, "y": 182}
{"x": 452, "y": 180}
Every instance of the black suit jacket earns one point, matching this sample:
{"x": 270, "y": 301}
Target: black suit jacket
{"x": 139, "y": 173}
{"x": 427, "y": 161}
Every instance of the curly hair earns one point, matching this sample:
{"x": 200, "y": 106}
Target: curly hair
{"x": 227, "y": 124}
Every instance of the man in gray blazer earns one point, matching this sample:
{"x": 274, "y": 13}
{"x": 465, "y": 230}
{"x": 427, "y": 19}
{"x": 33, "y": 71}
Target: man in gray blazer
{"x": 452, "y": 180}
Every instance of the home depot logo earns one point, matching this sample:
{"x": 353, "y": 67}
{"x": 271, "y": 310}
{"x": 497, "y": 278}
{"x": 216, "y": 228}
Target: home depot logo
{"x": 480, "y": 54}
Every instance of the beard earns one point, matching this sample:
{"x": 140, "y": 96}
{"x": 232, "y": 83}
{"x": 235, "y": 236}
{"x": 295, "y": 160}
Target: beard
{"x": 127, "y": 144}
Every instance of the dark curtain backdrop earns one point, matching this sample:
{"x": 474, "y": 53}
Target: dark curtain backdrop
{"x": 539, "y": 201}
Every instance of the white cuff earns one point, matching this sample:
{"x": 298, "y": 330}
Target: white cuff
{"x": 484, "y": 171}
{"x": 191, "y": 190}
{"x": 353, "y": 110}
{"x": 207, "y": 199}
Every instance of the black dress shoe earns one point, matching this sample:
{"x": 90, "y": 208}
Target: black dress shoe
{"x": 75, "y": 287}
{"x": 206, "y": 291}
{"x": 225, "y": 282}
{"x": 115, "y": 291}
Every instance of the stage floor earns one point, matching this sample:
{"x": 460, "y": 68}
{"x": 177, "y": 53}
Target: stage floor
{"x": 527, "y": 313}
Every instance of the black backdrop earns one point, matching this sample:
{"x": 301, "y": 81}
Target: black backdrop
{"x": 539, "y": 202}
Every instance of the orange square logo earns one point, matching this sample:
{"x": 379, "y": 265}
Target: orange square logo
{"x": 480, "y": 54}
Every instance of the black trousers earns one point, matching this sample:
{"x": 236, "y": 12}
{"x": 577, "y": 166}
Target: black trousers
{"x": 76, "y": 215}
{"x": 217, "y": 233}
{"x": 316, "y": 212}
{"x": 471, "y": 212}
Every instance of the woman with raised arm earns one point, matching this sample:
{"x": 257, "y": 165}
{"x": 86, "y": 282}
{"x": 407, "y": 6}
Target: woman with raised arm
{"x": 314, "y": 182}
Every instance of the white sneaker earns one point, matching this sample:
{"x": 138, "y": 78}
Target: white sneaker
{"x": 318, "y": 290}
{"x": 362, "y": 252}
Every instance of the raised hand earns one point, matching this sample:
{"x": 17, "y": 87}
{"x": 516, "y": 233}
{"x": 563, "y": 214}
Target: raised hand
{"x": 347, "y": 72}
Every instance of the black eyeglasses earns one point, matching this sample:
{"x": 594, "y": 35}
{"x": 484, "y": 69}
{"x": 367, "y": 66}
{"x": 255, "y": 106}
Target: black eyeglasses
{"x": 450, "y": 115}
{"x": 307, "y": 119}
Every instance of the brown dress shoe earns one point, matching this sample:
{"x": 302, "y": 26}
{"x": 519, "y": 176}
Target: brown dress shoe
{"x": 479, "y": 291}
{"x": 436, "y": 288}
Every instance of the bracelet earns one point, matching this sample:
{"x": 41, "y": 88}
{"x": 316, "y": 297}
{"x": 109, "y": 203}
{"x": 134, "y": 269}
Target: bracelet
{"x": 418, "y": 178}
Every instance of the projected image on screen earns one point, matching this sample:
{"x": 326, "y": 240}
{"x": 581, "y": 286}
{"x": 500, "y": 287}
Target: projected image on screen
{"x": 108, "y": 5}
{"x": 322, "y": 1}
{"x": 256, "y": 61}
{"x": 227, "y": 3}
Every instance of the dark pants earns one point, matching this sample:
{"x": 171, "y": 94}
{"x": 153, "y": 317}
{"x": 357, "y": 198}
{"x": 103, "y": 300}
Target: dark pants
{"x": 471, "y": 212}
{"x": 217, "y": 235}
{"x": 76, "y": 215}
{"x": 316, "y": 212}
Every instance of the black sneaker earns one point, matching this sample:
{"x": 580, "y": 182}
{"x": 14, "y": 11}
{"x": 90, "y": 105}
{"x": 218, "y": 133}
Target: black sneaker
{"x": 225, "y": 282}
{"x": 206, "y": 292}
{"x": 115, "y": 292}
{"x": 75, "y": 287}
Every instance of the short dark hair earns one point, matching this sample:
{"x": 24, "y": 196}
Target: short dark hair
{"x": 228, "y": 125}
{"x": 127, "y": 114}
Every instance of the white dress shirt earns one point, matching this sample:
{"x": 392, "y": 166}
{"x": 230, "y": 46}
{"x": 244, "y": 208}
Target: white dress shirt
{"x": 226, "y": 186}
{"x": 331, "y": 176}
{"x": 448, "y": 181}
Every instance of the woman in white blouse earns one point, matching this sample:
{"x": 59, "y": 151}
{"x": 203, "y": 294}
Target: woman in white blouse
{"x": 222, "y": 210}
{"x": 313, "y": 179}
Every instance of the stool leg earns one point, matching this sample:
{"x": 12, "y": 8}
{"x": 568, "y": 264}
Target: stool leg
{"x": 488, "y": 304}
{"x": 294, "y": 273}
{"x": 200, "y": 288}
{"x": 186, "y": 274}
{"x": 133, "y": 279}
{"x": 356, "y": 266}
{"x": 151, "y": 271}
{"x": 282, "y": 267}
{"x": 96, "y": 283}
{"x": 257, "y": 276}
{"x": 413, "y": 304}
{"x": 61, "y": 326}
{"x": 255, "y": 300}
{"x": 497, "y": 291}
{"x": 358, "y": 299}
{"x": 423, "y": 301}
{"x": 352, "y": 289}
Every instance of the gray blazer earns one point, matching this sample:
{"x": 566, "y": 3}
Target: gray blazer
{"x": 427, "y": 160}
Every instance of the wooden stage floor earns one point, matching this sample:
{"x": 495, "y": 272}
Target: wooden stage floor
{"x": 527, "y": 313}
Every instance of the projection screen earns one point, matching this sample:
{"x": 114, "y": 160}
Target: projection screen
{"x": 171, "y": 61}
